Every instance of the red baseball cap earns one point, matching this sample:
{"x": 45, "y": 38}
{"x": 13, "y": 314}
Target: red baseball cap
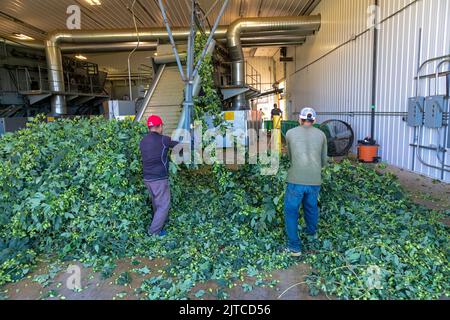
{"x": 154, "y": 121}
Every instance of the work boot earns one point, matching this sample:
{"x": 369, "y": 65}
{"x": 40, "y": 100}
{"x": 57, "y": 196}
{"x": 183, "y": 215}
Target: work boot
{"x": 294, "y": 253}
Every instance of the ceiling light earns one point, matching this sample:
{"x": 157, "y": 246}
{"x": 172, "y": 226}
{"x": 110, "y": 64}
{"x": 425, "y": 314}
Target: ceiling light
{"x": 94, "y": 2}
{"x": 22, "y": 36}
{"x": 80, "y": 57}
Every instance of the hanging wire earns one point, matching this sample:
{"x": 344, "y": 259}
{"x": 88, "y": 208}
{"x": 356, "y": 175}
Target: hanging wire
{"x": 134, "y": 50}
{"x": 201, "y": 18}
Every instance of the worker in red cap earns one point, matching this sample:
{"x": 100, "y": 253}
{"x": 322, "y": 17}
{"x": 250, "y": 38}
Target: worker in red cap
{"x": 155, "y": 161}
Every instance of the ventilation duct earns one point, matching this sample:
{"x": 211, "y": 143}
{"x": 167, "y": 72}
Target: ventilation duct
{"x": 109, "y": 47}
{"x": 301, "y": 24}
{"x": 256, "y": 41}
{"x": 77, "y": 38}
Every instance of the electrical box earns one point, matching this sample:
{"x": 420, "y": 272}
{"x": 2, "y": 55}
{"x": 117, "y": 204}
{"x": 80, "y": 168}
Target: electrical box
{"x": 415, "y": 111}
{"x": 121, "y": 110}
{"x": 239, "y": 123}
{"x": 12, "y": 124}
{"x": 434, "y": 111}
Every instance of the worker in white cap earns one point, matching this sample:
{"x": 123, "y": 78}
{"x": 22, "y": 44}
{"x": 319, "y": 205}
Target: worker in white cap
{"x": 307, "y": 149}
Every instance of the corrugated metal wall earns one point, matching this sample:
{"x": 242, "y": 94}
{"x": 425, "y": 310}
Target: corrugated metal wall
{"x": 333, "y": 73}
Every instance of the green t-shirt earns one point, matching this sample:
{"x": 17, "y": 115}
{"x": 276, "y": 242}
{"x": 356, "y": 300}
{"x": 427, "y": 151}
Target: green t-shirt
{"x": 308, "y": 152}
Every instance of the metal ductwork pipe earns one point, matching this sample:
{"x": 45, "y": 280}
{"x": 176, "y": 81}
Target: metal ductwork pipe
{"x": 281, "y": 39}
{"x": 272, "y": 44}
{"x": 261, "y": 26}
{"x": 54, "y": 60}
{"x": 304, "y": 24}
{"x": 85, "y": 48}
{"x": 38, "y": 45}
{"x": 280, "y": 33}
{"x": 56, "y": 78}
{"x": 109, "y": 47}
{"x": 123, "y": 35}
{"x": 256, "y": 39}
{"x": 170, "y": 58}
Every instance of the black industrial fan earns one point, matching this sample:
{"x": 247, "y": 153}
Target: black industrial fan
{"x": 340, "y": 137}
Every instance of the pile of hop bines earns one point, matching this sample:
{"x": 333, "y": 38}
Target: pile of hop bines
{"x": 74, "y": 187}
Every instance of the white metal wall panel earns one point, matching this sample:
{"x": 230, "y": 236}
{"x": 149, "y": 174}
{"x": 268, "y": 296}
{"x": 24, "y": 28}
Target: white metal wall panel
{"x": 340, "y": 80}
{"x": 340, "y": 20}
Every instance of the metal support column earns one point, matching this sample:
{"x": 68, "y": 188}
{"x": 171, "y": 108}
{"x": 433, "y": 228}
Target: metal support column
{"x": 191, "y": 72}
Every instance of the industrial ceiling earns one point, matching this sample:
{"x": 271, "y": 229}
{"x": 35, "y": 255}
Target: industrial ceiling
{"x": 37, "y": 18}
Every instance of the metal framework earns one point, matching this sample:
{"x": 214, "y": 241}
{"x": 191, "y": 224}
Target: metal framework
{"x": 191, "y": 70}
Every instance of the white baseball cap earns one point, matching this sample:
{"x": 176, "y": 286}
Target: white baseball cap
{"x": 308, "y": 114}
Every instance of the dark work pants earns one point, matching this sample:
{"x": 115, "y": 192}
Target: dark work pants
{"x": 160, "y": 194}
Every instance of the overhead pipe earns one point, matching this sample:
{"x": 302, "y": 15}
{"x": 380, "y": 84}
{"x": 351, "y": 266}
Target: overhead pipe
{"x": 305, "y": 23}
{"x": 123, "y": 35}
{"x": 109, "y": 47}
{"x": 279, "y": 39}
{"x": 272, "y": 44}
{"x": 89, "y": 47}
{"x": 55, "y": 78}
{"x": 266, "y": 37}
{"x": 153, "y": 45}
{"x": 85, "y": 48}
{"x": 263, "y": 26}
{"x": 280, "y": 33}
{"x": 38, "y": 45}
{"x": 54, "y": 59}
{"x": 169, "y": 58}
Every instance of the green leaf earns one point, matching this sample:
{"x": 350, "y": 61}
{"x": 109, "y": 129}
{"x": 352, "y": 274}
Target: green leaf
{"x": 247, "y": 287}
{"x": 200, "y": 293}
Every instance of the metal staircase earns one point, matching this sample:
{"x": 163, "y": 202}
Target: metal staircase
{"x": 164, "y": 98}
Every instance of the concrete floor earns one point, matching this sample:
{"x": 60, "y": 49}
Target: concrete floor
{"x": 290, "y": 284}
{"x": 425, "y": 191}
{"x": 428, "y": 192}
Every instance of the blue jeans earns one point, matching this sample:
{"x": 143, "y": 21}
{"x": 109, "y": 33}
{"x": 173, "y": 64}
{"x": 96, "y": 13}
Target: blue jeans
{"x": 297, "y": 194}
